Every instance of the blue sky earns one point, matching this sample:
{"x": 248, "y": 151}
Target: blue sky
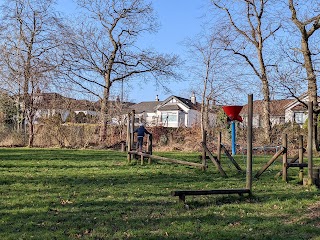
{"x": 179, "y": 19}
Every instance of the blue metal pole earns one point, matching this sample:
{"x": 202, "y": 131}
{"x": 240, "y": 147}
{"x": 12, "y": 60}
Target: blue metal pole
{"x": 233, "y": 138}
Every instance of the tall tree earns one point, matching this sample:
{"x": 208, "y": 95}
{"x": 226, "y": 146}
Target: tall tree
{"x": 28, "y": 52}
{"x": 251, "y": 30}
{"x": 104, "y": 49}
{"x": 307, "y": 22}
{"x": 208, "y": 61}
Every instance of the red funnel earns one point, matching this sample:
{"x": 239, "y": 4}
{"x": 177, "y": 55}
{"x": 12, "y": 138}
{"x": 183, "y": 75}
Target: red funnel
{"x": 233, "y": 112}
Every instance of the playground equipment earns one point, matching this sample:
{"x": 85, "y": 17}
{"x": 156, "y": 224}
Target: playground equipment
{"x": 132, "y": 150}
{"x": 248, "y": 189}
{"x": 233, "y": 115}
{"x": 313, "y": 173}
{"x": 217, "y": 159}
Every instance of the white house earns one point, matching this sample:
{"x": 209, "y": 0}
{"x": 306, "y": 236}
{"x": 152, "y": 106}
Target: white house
{"x": 172, "y": 112}
{"x": 296, "y": 111}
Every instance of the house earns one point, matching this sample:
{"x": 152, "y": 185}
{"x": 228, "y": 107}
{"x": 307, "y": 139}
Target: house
{"x": 172, "y": 112}
{"x": 281, "y": 111}
{"x": 277, "y": 112}
{"x": 296, "y": 111}
{"x": 50, "y": 104}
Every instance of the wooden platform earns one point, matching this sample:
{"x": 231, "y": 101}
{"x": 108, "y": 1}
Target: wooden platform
{"x": 183, "y": 193}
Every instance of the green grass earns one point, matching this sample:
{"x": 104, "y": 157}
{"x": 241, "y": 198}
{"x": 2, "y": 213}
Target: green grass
{"x": 91, "y": 194}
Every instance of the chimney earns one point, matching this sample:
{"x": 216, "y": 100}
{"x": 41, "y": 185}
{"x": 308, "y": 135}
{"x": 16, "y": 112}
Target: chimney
{"x": 193, "y": 98}
{"x": 157, "y": 98}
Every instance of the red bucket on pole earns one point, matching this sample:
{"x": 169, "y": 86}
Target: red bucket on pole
{"x": 233, "y": 112}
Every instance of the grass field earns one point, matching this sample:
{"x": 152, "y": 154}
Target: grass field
{"x": 95, "y": 194}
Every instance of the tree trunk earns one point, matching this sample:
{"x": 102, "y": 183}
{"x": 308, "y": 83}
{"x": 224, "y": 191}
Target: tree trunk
{"x": 312, "y": 84}
{"x": 31, "y": 134}
{"x": 266, "y": 123}
{"x": 104, "y": 112}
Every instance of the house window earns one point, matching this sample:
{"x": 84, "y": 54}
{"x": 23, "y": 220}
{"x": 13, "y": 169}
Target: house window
{"x": 169, "y": 117}
{"x": 298, "y": 117}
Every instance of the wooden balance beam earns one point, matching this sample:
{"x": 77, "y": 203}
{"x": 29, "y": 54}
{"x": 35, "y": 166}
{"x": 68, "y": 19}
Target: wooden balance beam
{"x": 183, "y": 193}
{"x": 146, "y": 155}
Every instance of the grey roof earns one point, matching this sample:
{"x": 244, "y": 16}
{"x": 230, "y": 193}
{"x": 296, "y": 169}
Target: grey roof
{"x": 185, "y": 101}
{"x": 171, "y": 107}
{"x": 145, "y": 106}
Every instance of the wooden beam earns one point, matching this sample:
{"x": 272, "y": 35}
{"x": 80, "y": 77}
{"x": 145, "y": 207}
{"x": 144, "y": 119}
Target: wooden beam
{"x": 231, "y": 158}
{"x": 214, "y": 160}
{"x": 183, "y": 193}
{"x": 299, "y": 165}
{"x": 167, "y": 159}
{"x": 268, "y": 164}
{"x": 210, "y": 192}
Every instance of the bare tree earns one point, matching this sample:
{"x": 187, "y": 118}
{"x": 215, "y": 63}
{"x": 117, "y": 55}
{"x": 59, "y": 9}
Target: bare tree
{"x": 208, "y": 59}
{"x": 28, "y": 52}
{"x": 251, "y": 30}
{"x": 103, "y": 50}
{"x": 307, "y": 21}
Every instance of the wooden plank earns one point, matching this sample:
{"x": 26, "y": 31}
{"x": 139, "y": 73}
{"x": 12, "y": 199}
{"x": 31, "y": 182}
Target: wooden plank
{"x": 167, "y": 159}
{"x": 210, "y": 192}
{"x": 231, "y": 158}
{"x": 299, "y": 165}
{"x": 214, "y": 160}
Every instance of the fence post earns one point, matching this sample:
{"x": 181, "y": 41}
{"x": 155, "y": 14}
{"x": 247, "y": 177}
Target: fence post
{"x": 219, "y": 147}
{"x": 285, "y": 157}
{"x": 149, "y": 151}
{"x": 132, "y": 128}
{"x": 310, "y": 143}
{"x": 204, "y": 155}
{"x": 249, "y": 144}
{"x": 301, "y": 157}
{"x": 128, "y": 139}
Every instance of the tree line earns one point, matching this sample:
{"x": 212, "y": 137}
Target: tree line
{"x": 266, "y": 46}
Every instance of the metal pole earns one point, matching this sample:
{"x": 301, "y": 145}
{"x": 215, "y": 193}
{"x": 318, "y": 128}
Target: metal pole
{"x": 233, "y": 138}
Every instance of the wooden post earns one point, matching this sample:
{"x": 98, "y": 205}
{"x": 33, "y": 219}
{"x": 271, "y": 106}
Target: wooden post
{"x": 150, "y": 147}
{"x": 129, "y": 139}
{"x": 219, "y": 147}
{"x": 249, "y": 144}
{"x": 132, "y": 129}
{"x": 301, "y": 150}
{"x": 285, "y": 157}
{"x": 310, "y": 143}
{"x": 316, "y": 177}
{"x": 204, "y": 155}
